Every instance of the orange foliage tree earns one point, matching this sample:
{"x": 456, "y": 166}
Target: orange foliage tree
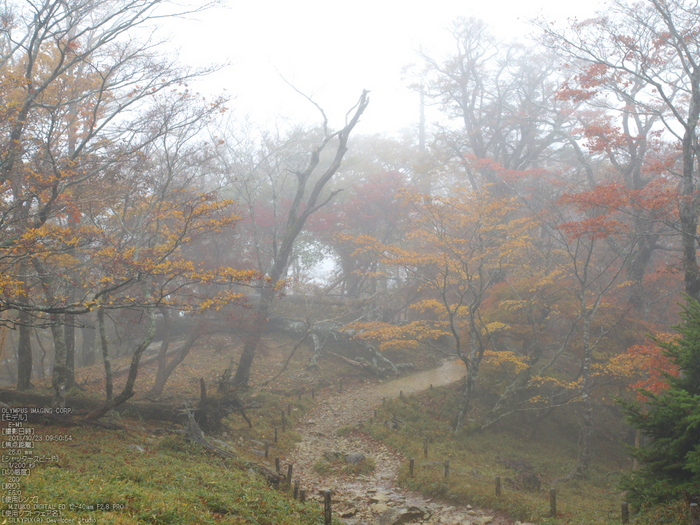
{"x": 457, "y": 249}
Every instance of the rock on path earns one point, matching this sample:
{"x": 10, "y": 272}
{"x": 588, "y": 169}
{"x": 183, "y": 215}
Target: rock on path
{"x": 374, "y": 499}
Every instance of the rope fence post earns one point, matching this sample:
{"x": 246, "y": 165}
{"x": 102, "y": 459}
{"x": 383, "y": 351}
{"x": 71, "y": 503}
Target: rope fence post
{"x": 289, "y": 475}
{"x": 313, "y": 393}
{"x": 267, "y": 450}
{"x": 625, "y": 512}
{"x": 296, "y": 489}
{"x": 302, "y": 495}
{"x": 327, "y": 516}
{"x": 498, "y": 485}
{"x": 447, "y": 469}
{"x": 425, "y": 448}
{"x": 694, "y": 514}
{"x": 276, "y": 432}
{"x": 552, "y": 501}
{"x": 277, "y": 465}
{"x": 410, "y": 467}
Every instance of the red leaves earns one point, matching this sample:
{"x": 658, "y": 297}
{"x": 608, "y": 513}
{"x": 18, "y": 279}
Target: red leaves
{"x": 609, "y": 206}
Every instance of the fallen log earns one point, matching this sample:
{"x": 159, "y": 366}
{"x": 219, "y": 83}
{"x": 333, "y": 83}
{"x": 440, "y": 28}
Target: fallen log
{"x": 81, "y": 406}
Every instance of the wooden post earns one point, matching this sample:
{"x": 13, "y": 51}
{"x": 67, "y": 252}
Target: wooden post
{"x": 302, "y": 495}
{"x": 313, "y": 393}
{"x": 447, "y": 469}
{"x": 410, "y": 467}
{"x": 289, "y": 409}
{"x": 552, "y": 501}
{"x": 625, "y": 512}
{"x": 431, "y": 386}
{"x": 277, "y": 465}
{"x": 694, "y": 514}
{"x": 296, "y": 489}
{"x": 498, "y": 485}
{"x": 400, "y": 394}
{"x": 425, "y": 448}
{"x": 289, "y": 475}
{"x": 284, "y": 422}
{"x": 327, "y": 507}
{"x": 267, "y": 450}
{"x": 275, "y": 435}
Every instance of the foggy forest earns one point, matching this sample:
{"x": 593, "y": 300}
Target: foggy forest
{"x": 489, "y": 317}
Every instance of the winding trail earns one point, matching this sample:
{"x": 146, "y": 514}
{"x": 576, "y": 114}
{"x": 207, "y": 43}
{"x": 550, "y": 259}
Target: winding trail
{"x": 373, "y": 499}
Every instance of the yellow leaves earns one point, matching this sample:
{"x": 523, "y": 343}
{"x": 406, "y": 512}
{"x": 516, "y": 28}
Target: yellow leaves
{"x": 393, "y": 336}
{"x": 505, "y": 359}
{"x": 494, "y": 327}
{"x": 553, "y": 382}
{"x": 429, "y": 305}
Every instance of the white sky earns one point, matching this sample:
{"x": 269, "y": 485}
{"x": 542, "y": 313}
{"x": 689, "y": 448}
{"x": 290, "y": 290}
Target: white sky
{"x": 333, "y": 50}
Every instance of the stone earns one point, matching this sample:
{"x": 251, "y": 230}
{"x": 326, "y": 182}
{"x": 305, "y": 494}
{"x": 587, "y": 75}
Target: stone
{"x": 398, "y": 516}
{"x": 332, "y": 456}
{"x": 355, "y": 458}
{"x": 379, "y": 508}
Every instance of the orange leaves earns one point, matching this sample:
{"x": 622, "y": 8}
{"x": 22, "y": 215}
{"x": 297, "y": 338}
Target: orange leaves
{"x": 391, "y": 336}
{"x": 609, "y": 208}
{"x": 599, "y": 227}
{"x": 645, "y": 362}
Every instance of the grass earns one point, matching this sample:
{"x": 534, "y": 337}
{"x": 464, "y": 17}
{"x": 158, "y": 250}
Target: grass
{"x": 106, "y": 479}
{"x": 476, "y": 458}
{"x": 102, "y": 478}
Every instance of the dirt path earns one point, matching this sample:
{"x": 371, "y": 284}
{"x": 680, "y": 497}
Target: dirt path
{"x": 373, "y": 499}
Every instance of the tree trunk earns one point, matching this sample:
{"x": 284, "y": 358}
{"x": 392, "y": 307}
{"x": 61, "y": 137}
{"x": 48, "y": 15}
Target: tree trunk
{"x": 24, "y": 348}
{"x": 88, "y": 344}
{"x": 181, "y": 353}
{"x": 128, "y": 391}
{"x": 59, "y": 376}
{"x": 161, "y": 377}
{"x": 689, "y": 204}
{"x": 303, "y": 205}
{"x": 252, "y": 339}
{"x": 105, "y": 353}
{"x": 586, "y": 440}
{"x": 468, "y": 394}
{"x": 24, "y": 353}
{"x": 69, "y": 338}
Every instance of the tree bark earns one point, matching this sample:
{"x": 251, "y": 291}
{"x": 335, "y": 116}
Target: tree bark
{"x": 88, "y": 341}
{"x": 24, "y": 353}
{"x": 128, "y": 391}
{"x": 24, "y": 348}
{"x": 105, "y": 353}
{"x": 165, "y": 368}
{"x": 69, "y": 338}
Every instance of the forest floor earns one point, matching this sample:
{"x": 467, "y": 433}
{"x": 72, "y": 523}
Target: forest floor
{"x": 337, "y": 422}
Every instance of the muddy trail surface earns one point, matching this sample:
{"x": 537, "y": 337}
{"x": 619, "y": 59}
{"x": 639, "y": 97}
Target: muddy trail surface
{"x": 373, "y": 499}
